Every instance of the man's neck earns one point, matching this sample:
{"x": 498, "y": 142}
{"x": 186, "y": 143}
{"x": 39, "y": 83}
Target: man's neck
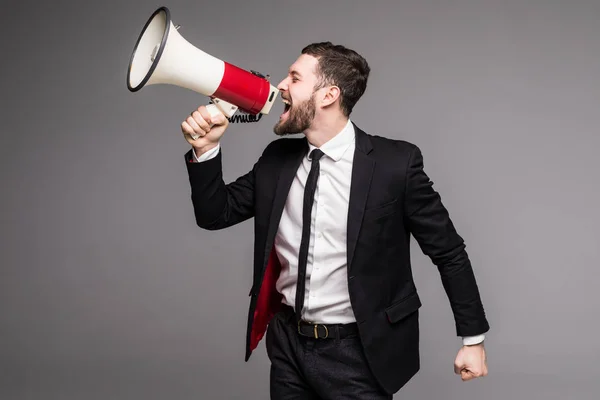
{"x": 324, "y": 129}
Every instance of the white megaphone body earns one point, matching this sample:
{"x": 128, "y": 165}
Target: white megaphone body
{"x": 162, "y": 56}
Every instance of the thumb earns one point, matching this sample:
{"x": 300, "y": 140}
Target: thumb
{"x": 466, "y": 375}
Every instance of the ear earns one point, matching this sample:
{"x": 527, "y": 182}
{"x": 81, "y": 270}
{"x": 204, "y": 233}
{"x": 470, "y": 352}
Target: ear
{"x": 331, "y": 95}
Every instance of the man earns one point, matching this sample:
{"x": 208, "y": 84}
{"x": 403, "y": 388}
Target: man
{"x": 333, "y": 214}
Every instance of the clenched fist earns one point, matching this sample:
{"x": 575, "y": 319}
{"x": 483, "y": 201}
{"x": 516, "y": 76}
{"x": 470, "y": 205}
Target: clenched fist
{"x": 203, "y": 129}
{"x": 471, "y": 362}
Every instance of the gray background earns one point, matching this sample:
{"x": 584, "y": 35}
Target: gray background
{"x": 109, "y": 290}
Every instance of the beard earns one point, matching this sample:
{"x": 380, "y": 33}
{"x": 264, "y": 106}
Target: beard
{"x": 299, "y": 118}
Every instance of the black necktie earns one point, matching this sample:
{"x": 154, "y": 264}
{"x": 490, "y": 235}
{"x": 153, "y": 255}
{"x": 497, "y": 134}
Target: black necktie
{"x": 309, "y": 198}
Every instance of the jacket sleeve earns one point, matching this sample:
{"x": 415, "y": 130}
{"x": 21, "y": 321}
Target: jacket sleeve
{"x": 430, "y": 224}
{"x": 218, "y": 205}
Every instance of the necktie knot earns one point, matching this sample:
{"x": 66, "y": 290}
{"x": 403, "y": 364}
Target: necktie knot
{"x": 316, "y": 155}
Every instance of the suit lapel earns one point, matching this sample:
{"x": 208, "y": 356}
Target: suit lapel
{"x": 362, "y": 172}
{"x": 284, "y": 182}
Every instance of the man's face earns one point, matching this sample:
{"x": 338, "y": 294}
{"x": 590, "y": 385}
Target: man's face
{"x": 297, "y": 92}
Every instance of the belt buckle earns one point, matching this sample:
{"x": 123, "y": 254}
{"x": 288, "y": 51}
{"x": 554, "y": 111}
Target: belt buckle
{"x": 316, "y": 330}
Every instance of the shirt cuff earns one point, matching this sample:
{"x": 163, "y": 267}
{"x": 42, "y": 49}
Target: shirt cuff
{"x": 212, "y": 153}
{"x": 471, "y": 340}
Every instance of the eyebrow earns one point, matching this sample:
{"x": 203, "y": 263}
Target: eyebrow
{"x": 294, "y": 72}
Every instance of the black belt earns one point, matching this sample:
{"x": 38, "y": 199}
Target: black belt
{"x": 321, "y": 331}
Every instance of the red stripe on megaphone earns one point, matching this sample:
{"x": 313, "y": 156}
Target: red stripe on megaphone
{"x": 244, "y": 89}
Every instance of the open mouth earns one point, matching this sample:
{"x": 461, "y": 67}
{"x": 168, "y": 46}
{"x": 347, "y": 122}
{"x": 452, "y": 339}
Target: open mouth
{"x": 286, "y": 107}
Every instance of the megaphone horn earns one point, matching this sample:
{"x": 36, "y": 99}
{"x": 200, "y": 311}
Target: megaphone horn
{"x": 162, "y": 56}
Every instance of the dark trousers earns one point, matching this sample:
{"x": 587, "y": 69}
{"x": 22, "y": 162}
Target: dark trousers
{"x": 314, "y": 369}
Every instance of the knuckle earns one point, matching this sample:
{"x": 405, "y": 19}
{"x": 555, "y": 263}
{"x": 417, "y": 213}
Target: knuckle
{"x": 199, "y": 119}
{"x": 205, "y": 115}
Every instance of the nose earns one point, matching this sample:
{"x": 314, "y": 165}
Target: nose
{"x": 282, "y": 85}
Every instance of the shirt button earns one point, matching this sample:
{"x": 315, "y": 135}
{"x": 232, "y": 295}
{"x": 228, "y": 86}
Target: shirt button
{"x": 319, "y": 235}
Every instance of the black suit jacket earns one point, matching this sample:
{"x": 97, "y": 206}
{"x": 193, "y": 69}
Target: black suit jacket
{"x": 391, "y": 198}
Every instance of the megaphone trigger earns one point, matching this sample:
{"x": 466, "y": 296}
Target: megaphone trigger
{"x": 225, "y": 107}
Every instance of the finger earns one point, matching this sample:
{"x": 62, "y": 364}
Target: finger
{"x": 475, "y": 373}
{"x": 194, "y": 124}
{"x": 200, "y": 121}
{"x": 187, "y": 130}
{"x": 197, "y": 130}
{"x": 205, "y": 115}
{"x": 466, "y": 375}
{"x": 457, "y": 369}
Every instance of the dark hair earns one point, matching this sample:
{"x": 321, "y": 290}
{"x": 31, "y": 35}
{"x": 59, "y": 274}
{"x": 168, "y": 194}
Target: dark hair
{"x": 343, "y": 68}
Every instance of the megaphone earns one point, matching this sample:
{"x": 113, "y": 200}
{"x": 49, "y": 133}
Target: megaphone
{"x": 162, "y": 56}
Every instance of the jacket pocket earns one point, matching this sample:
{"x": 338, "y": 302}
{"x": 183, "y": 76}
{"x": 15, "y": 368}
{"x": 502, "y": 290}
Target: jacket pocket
{"x": 382, "y": 210}
{"x": 403, "y": 308}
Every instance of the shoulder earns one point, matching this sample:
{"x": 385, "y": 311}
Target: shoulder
{"x": 283, "y": 146}
{"x": 382, "y": 142}
{"x": 387, "y": 147}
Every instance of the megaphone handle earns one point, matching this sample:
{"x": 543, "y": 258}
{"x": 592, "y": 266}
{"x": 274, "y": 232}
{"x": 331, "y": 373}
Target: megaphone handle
{"x": 213, "y": 110}
{"x": 219, "y": 107}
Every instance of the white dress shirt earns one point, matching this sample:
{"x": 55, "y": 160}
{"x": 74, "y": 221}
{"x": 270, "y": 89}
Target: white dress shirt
{"x": 327, "y": 298}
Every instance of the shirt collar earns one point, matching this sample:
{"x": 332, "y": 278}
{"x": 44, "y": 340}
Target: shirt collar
{"x": 335, "y": 147}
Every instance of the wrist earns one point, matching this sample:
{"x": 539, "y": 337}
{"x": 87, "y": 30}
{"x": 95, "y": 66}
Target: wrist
{"x": 201, "y": 150}
{"x": 473, "y": 340}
